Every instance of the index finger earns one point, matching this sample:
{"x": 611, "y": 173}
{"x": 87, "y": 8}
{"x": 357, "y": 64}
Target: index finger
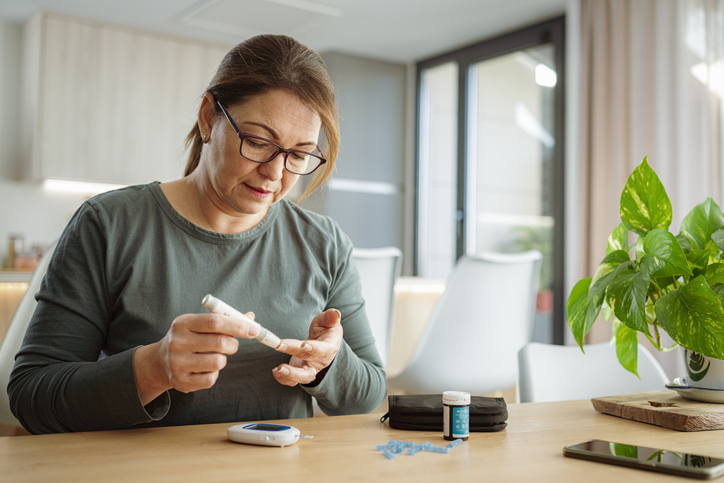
{"x": 294, "y": 347}
{"x": 222, "y": 324}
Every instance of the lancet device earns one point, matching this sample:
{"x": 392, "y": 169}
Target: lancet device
{"x": 217, "y": 306}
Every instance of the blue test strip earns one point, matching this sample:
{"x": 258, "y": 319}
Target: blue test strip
{"x": 393, "y": 447}
{"x": 454, "y": 443}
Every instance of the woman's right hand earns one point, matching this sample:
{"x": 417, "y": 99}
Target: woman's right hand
{"x": 191, "y": 354}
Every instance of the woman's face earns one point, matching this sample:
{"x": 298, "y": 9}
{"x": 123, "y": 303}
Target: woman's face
{"x": 243, "y": 187}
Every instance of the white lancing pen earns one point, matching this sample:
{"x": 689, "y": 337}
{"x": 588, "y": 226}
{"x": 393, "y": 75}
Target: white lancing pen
{"x": 217, "y": 306}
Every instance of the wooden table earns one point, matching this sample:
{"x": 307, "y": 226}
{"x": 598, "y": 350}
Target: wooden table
{"x": 343, "y": 449}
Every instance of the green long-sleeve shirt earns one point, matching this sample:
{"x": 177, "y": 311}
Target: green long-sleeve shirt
{"x": 127, "y": 264}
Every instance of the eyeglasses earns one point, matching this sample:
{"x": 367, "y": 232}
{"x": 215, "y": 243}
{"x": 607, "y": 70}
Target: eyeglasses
{"x": 260, "y": 150}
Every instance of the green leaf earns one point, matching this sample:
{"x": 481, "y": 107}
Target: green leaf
{"x": 663, "y": 245}
{"x": 715, "y": 273}
{"x": 693, "y": 317}
{"x": 645, "y": 205}
{"x": 611, "y": 265}
{"x": 658, "y": 267}
{"x": 627, "y": 348}
{"x": 576, "y": 310}
{"x": 606, "y": 310}
{"x": 718, "y": 238}
{"x": 614, "y": 328}
{"x": 698, "y": 261}
{"x": 718, "y": 289}
{"x": 702, "y": 222}
{"x": 627, "y": 295}
{"x": 661, "y": 282}
{"x": 640, "y": 248}
{"x": 618, "y": 239}
{"x": 684, "y": 242}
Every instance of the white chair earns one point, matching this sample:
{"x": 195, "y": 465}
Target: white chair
{"x": 473, "y": 335}
{"x": 558, "y": 373}
{"x": 16, "y": 331}
{"x": 378, "y": 269}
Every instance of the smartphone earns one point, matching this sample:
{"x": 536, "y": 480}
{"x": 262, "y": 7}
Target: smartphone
{"x": 644, "y": 458}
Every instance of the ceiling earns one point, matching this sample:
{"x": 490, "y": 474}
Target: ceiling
{"x": 393, "y": 30}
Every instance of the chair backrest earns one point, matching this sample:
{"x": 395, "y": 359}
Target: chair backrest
{"x": 478, "y": 325}
{"x": 378, "y": 269}
{"x": 16, "y": 331}
{"x": 558, "y": 373}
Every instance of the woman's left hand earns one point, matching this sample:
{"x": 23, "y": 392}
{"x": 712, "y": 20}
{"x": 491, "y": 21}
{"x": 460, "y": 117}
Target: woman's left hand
{"x": 313, "y": 354}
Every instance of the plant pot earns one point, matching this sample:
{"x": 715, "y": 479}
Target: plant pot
{"x": 703, "y": 372}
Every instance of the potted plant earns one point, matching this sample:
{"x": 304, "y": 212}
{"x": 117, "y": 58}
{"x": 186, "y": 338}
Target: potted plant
{"x": 661, "y": 282}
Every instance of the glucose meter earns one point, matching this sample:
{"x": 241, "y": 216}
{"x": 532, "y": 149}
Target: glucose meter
{"x": 264, "y": 434}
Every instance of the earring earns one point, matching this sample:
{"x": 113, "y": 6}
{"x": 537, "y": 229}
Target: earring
{"x": 204, "y": 137}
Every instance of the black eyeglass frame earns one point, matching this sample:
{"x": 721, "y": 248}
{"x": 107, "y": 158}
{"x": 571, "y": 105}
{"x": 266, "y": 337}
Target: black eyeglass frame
{"x": 243, "y": 135}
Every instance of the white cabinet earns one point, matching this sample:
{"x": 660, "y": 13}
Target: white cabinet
{"x": 108, "y": 103}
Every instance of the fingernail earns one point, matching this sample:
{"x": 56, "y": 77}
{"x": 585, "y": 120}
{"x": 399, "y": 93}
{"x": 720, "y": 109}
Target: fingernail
{"x": 283, "y": 370}
{"x": 254, "y": 330}
{"x": 306, "y": 347}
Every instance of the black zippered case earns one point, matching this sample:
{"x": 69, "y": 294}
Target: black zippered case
{"x": 423, "y": 412}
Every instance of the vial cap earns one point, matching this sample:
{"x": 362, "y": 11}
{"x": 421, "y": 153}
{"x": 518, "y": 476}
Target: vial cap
{"x": 455, "y": 397}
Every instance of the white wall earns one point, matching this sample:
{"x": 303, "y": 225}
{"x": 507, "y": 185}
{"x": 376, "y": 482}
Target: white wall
{"x": 367, "y": 194}
{"x": 25, "y": 208}
{"x": 373, "y": 102}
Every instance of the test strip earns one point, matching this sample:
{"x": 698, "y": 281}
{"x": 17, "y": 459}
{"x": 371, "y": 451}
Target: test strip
{"x": 217, "y": 306}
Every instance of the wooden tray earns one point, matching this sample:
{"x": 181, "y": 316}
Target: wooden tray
{"x": 663, "y": 408}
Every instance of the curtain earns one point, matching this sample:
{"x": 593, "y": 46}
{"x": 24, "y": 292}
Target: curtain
{"x": 651, "y": 84}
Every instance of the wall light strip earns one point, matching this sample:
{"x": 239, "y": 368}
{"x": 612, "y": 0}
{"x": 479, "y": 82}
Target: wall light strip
{"x": 437, "y": 288}
{"x": 81, "y": 187}
{"x": 357, "y": 186}
{"x": 15, "y": 286}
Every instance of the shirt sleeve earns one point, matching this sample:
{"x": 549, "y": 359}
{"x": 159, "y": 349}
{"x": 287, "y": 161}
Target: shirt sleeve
{"x": 62, "y": 380}
{"x": 355, "y": 382}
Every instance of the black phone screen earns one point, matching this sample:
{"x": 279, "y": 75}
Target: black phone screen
{"x": 654, "y": 459}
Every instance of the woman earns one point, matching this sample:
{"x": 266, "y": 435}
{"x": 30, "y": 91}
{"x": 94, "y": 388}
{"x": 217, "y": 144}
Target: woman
{"x": 119, "y": 337}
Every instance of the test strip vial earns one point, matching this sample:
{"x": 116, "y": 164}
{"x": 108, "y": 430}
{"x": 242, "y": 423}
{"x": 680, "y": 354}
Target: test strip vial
{"x": 456, "y": 415}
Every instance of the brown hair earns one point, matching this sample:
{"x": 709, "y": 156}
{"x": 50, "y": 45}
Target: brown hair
{"x": 275, "y": 62}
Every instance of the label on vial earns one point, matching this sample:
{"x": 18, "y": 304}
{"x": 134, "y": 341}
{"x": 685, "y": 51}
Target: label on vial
{"x": 460, "y": 421}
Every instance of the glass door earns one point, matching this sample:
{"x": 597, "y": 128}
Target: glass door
{"x": 497, "y": 108}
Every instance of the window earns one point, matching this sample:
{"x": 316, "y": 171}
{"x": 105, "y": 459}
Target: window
{"x": 490, "y": 158}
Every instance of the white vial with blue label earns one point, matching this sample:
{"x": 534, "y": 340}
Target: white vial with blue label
{"x": 456, "y": 415}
